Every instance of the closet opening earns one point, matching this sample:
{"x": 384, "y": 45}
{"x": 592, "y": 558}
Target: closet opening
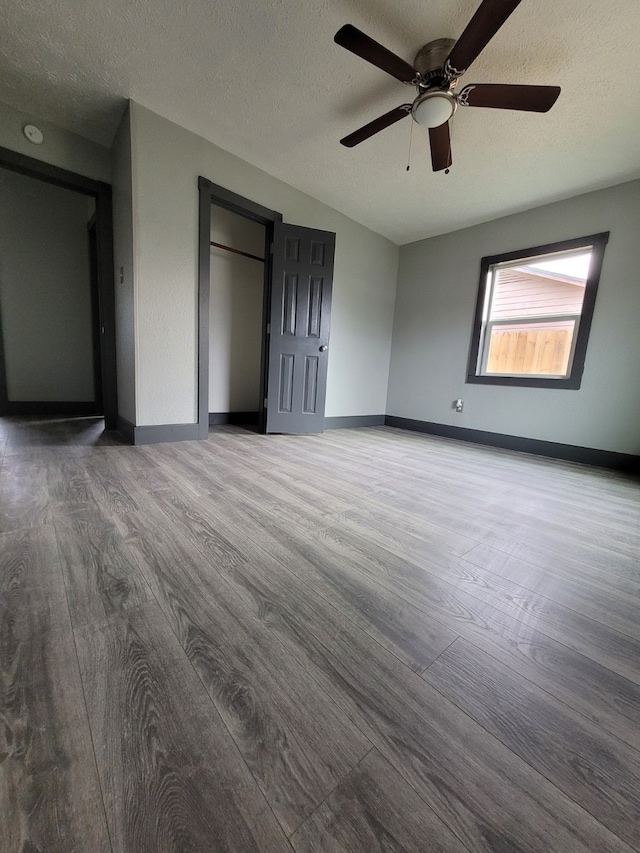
{"x": 292, "y": 342}
{"x": 238, "y": 249}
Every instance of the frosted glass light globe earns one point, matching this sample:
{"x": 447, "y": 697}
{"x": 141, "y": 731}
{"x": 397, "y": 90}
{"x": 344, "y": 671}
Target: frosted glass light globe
{"x": 433, "y": 109}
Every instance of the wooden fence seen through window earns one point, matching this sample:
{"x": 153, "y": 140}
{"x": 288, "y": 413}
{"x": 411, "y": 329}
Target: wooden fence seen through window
{"x": 531, "y": 352}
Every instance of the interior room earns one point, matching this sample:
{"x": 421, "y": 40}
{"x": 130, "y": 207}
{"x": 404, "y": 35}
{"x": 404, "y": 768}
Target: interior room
{"x": 47, "y": 299}
{"x": 319, "y": 433}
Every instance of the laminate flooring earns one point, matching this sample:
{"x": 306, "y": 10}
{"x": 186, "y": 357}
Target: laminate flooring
{"x": 367, "y": 640}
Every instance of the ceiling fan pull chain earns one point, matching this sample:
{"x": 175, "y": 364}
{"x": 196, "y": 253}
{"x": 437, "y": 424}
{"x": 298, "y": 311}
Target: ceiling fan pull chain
{"x": 410, "y": 141}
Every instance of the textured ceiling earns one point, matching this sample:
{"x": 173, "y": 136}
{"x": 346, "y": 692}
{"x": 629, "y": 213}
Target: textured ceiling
{"x": 264, "y": 79}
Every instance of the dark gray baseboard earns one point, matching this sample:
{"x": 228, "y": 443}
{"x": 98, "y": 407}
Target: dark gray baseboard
{"x": 157, "y": 433}
{"x": 345, "y": 422}
{"x": 126, "y": 430}
{"x": 354, "y": 421}
{"x": 220, "y": 418}
{"x": 189, "y": 432}
{"x": 47, "y": 407}
{"x": 165, "y": 432}
{"x": 571, "y": 453}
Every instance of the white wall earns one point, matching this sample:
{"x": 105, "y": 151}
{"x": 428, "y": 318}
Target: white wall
{"x": 436, "y": 294}
{"x": 235, "y": 327}
{"x": 124, "y": 267}
{"x": 45, "y": 294}
{"x": 59, "y": 148}
{"x": 167, "y": 162}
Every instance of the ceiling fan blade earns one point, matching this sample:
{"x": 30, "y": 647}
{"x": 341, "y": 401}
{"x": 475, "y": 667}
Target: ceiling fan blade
{"x": 535, "y": 99}
{"x": 489, "y": 17}
{"x": 440, "y": 139}
{"x": 376, "y": 126}
{"x": 357, "y": 42}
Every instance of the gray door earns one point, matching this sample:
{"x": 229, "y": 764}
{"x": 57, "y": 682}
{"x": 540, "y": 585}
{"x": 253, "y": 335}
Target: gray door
{"x": 300, "y": 313}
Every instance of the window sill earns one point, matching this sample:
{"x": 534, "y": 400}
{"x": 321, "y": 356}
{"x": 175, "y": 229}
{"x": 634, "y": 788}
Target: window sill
{"x": 570, "y": 383}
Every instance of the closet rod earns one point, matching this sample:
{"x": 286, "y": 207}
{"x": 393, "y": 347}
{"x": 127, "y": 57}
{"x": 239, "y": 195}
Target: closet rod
{"x": 238, "y": 252}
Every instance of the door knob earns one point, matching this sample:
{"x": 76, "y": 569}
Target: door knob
{"x": 323, "y": 348}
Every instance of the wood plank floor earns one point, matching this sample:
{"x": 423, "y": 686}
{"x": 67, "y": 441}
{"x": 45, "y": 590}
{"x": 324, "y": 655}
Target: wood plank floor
{"x": 367, "y": 640}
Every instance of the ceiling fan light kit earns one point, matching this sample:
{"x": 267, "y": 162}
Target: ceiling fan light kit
{"x": 435, "y": 72}
{"x": 433, "y": 108}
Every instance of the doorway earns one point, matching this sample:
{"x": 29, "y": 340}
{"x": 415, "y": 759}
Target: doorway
{"x": 238, "y": 247}
{"x": 79, "y": 320}
{"x": 297, "y": 285}
{"x": 45, "y": 298}
{"x": 215, "y": 202}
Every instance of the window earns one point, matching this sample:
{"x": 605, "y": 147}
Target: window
{"x": 534, "y": 313}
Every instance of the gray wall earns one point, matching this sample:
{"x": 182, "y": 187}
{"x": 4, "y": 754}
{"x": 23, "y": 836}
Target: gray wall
{"x": 436, "y": 294}
{"x": 45, "y": 296}
{"x": 167, "y": 161}
{"x": 60, "y": 147}
{"x": 235, "y": 327}
{"x": 123, "y": 259}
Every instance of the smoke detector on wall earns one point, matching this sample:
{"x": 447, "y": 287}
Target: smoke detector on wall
{"x": 33, "y": 134}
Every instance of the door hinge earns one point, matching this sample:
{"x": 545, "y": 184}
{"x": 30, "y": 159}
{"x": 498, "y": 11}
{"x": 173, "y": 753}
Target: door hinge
{"x": 265, "y": 402}
{"x": 271, "y": 249}
{"x": 268, "y": 328}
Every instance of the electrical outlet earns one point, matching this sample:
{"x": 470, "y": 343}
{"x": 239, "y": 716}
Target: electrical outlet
{"x": 458, "y": 405}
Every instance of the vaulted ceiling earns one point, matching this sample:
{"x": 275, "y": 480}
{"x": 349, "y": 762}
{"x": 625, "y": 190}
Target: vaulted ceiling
{"x": 264, "y": 79}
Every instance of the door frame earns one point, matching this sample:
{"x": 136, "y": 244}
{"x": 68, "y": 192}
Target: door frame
{"x": 101, "y": 192}
{"x": 95, "y": 314}
{"x": 210, "y": 194}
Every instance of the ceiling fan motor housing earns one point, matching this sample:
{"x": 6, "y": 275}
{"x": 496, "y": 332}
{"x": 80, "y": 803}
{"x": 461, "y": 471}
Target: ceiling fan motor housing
{"x": 429, "y": 62}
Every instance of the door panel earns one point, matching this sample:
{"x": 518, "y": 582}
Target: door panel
{"x": 310, "y": 393}
{"x": 300, "y": 312}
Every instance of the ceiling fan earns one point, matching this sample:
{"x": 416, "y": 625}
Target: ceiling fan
{"x": 435, "y": 72}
